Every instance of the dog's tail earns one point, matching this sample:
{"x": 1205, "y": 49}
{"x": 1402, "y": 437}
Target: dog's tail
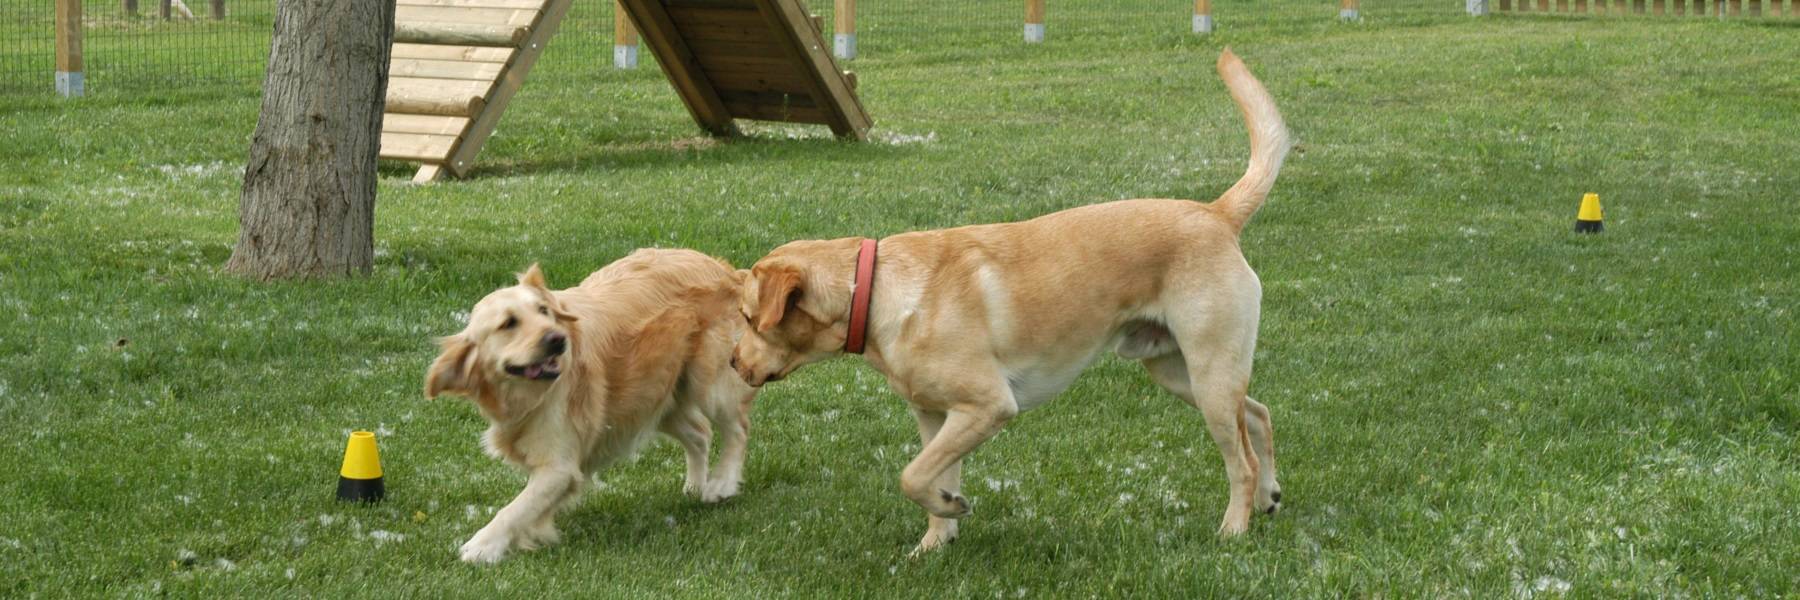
{"x": 1269, "y": 142}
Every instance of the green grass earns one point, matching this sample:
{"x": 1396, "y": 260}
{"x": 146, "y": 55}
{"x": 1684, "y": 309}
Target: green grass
{"x": 1469, "y": 399}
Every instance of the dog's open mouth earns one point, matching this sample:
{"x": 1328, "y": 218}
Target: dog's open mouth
{"x": 543, "y": 371}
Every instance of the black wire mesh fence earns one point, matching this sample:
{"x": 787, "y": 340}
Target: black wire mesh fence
{"x": 144, "y": 46}
{"x": 139, "y": 46}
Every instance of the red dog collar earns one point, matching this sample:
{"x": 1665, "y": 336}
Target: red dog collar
{"x": 859, "y": 298}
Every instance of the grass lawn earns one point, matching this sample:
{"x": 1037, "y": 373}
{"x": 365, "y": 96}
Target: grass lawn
{"x": 1469, "y": 399}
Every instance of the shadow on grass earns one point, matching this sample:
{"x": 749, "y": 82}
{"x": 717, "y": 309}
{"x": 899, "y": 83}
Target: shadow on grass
{"x": 768, "y": 146}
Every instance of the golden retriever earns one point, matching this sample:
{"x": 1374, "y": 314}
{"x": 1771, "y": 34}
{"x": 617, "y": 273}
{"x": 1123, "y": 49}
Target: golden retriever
{"x": 974, "y": 324}
{"x": 573, "y": 380}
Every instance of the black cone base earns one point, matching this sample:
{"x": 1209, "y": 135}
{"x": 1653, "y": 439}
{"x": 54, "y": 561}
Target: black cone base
{"x": 361, "y": 490}
{"x": 1587, "y": 226}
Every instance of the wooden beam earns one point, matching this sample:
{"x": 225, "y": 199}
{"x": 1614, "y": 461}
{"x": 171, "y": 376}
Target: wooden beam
{"x": 436, "y": 96}
{"x": 70, "y": 80}
{"x": 806, "y": 47}
{"x": 459, "y": 34}
{"x": 416, "y": 146}
{"x": 428, "y": 124}
{"x": 129, "y": 6}
{"x": 428, "y": 173}
{"x": 1348, "y": 10}
{"x": 465, "y": 15}
{"x": 1203, "y": 19}
{"x": 218, "y": 10}
{"x": 1034, "y": 21}
{"x": 445, "y": 69}
{"x": 515, "y": 4}
{"x": 843, "y": 36}
{"x": 625, "y": 39}
{"x": 679, "y": 64}
{"x": 462, "y": 53}
{"x": 463, "y": 156}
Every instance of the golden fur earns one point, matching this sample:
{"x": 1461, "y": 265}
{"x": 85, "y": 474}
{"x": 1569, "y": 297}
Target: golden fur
{"x": 646, "y": 342}
{"x": 974, "y": 324}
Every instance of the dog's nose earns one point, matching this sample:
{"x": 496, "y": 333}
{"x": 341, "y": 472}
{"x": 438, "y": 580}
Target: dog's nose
{"x": 556, "y": 342}
{"x": 734, "y": 362}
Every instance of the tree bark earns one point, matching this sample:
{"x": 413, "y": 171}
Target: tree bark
{"x": 307, "y": 208}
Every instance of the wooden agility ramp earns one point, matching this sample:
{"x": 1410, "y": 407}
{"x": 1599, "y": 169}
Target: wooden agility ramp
{"x": 456, "y": 64}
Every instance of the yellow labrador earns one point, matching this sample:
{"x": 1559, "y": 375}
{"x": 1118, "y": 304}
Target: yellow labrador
{"x": 974, "y": 324}
{"x": 573, "y": 380}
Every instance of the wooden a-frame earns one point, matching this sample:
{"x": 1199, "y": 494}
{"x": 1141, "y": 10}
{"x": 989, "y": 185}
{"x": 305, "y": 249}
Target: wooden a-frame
{"x": 457, "y": 63}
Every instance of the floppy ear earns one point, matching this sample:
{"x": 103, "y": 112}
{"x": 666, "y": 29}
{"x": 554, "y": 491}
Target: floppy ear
{"x": 777, "y": 290}
{"x": 557, "y": 311}
{"x": 532, "y": 277}
{"x": 454, "y": 371}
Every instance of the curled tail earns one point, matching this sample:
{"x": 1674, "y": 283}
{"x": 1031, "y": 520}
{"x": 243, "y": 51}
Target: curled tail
{"x": 1269, "y": 142}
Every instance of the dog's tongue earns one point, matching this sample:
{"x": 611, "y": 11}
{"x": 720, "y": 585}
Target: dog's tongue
{"x": 533, "y": 371}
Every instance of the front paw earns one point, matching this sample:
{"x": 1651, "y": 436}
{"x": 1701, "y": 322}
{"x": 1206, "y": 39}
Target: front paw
{"x": 718, "y": 490}
{"x": 542, "y": 535}
{"x": 485, "y": 550}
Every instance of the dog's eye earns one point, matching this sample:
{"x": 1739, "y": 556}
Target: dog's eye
{"x": 511, "y": 321}
{"x": 544, "y": 310}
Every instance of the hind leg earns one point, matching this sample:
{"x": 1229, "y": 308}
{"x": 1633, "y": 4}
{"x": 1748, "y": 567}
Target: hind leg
{"x": 1262, "y": 441}
{"x": 1221, "y": 400}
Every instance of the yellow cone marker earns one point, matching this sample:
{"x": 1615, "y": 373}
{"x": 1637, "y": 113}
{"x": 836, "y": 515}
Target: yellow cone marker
{"x": 360, "y": 478}
{"x": 1588, "y": 220}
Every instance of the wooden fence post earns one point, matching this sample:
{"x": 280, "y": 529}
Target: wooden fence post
{"x": 1203, "y": 22}
{"x": 69, "y": 79}
{"x": 129, "y": 6}
{"x": 165, "y": 8}
{"x": 625, "y": 39}
{"x": 1347, "y": 11}
{"x": 218, "y": 10}
{"x": 843, "y": 18}
{"x": 1476, "y": 8}
{"x": 1034, "y": 21}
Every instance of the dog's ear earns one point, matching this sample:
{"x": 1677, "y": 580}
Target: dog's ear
{"x": 556, "y": 310}
{"x": 533, "y": 277}
{"x": 777, "y": 290}
{"x": 453, "y": 372}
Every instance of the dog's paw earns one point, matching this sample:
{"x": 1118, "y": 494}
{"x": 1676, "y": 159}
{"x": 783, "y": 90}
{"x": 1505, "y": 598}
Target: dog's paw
{"x": 718, "y": 490}
{"x": 1268, "y": 502}
{"x": 540, "y": 536}
{"x": 941, "y": 532}
{"x": 482, "y": 550}
{"x": 950, "y": 505}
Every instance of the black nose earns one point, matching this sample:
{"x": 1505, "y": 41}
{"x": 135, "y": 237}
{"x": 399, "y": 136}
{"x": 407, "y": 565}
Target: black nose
{"x": 734, "y": 362}
{"x": 556, "y": 342}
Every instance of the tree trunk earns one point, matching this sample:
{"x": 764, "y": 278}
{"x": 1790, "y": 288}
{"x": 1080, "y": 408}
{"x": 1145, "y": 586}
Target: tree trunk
{"x": 307, "y": 208}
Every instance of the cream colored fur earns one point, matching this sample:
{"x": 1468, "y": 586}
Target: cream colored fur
{"x": 974, "y": 324}
{"x": 647, "y": 343}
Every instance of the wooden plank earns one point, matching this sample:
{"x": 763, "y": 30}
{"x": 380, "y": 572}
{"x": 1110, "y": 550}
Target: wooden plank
{"x": 218, "y": 9}
{"x": 459, "y": 34}
{"x": 784, "y": 81}
{"x": 68, "y": 36}
{"x": 806, "y": 47}
{"x": 428, "y": 173}
{"x": 744, "y": 4}
{"x": 436, "y": 96}
{"x": 1562, "y": 6}
{"x": 745, "y": 62}
{"x": 463, "y": 155}
{"x": 669, "y": 45}
{"x": 713, "y": 16}
{"x": 704, "y": 48}
{"x": 460, "y": 53}
{"x": 416, "y": 146}
{"x": 474, "y": 16}
{"x": 725, "y": 32}
{"x": 515, "y": 4}
{"x": 775, "y": 112}
{"x": 445, "y": 69}
{"x": 427, "y": 124}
